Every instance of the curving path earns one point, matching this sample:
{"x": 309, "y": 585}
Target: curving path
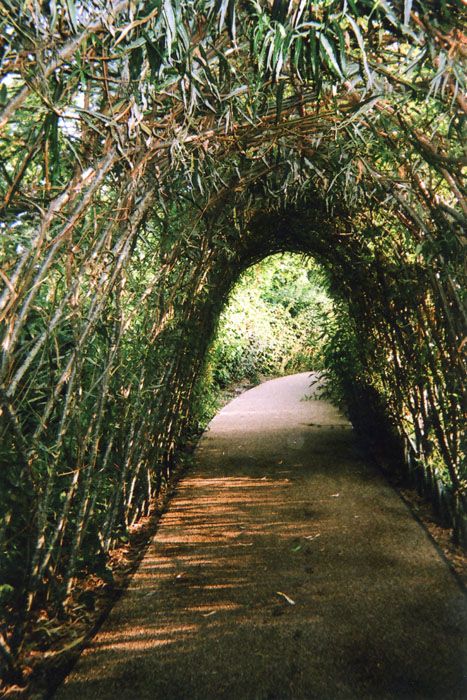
{"x": 285, "y": 567}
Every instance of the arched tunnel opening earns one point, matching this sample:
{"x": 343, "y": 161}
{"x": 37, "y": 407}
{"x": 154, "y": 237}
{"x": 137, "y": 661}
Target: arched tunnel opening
{"x": 372, "y": 298}
{"x": 151, "y": 153}
{"x": 277, "y": 320}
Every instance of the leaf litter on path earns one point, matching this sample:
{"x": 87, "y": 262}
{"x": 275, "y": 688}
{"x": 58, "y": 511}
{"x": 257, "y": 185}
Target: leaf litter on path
{"x": 286, "y": 597}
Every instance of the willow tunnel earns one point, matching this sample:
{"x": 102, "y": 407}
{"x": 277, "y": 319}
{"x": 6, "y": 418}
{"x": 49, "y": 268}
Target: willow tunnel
{"x": 150, "y": 154}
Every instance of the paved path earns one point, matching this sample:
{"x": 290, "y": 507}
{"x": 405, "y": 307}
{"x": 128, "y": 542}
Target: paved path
{"x": 282, "y": 504}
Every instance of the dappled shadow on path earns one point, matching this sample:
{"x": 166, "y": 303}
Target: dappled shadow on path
{"x": 271, "y": 578}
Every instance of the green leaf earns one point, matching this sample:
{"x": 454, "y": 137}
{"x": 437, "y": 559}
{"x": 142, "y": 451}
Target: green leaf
{"x": 3, "y": 95}
{"x": 222, "y": 13}
{"x": 407, "y": 11}
{"x": 170, "y": 25}
{"x": 170, "y": 17}
{"x": 361, "y": 45}
{"x": 279, "y": 99}
{"x": 136, "y": 61}
{"x": 137, "y": 43}
{"x": 342, "y": 48}
{"x": 155, "y": 57}
{"x": 231, "y": 20}
{"x": 72, "y": 14}
{"x": 325, "y": 43}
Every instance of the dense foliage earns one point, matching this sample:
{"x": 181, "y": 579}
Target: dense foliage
{"x": 274, "y": 324}
{"x": 151, "y": 151}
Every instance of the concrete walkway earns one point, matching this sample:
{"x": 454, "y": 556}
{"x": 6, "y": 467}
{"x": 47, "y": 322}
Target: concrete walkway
{"x": 285, "y": 567}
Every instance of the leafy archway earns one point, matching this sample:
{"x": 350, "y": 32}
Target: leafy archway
{"x": 150, "y": 152}
{"x": 276, "y": 322}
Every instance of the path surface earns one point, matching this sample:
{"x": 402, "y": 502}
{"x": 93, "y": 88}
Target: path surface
{"x": 280, "y": 502}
